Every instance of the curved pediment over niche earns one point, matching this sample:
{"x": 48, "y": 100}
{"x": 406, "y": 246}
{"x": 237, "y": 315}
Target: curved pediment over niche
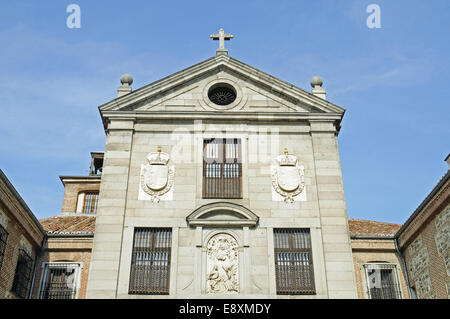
{"x": 222, "y": 214}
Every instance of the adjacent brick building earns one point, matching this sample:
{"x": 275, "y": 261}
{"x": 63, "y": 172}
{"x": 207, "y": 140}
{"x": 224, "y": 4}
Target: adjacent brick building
{"x": 375, "y": 254}
{"x": 424, "y": 240}
{"x": 21, "y": 239}
{"x": 66, "y": 257}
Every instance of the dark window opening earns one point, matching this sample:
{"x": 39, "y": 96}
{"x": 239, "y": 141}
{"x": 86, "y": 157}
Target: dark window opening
{"x": 222, "y": 168}
{"x": 90, "y": 203}
{"x": 150, "y": 263}
{"x": 293, "y": 262}
{"x": 3, "y": 240}
{"x": 222, "y": 94}
{"x": 382, "y": 281}
{"x": 22, "y": 276}
{"x": 59, "y": 281}
{"x": 96, "y": 163}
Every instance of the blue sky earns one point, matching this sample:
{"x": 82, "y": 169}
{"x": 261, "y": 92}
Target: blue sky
{"x": 392, "y": 82}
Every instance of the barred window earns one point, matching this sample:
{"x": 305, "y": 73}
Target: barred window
{"x": 222, "y": 168}
{"x": 150, "y": 264}
{"x": 60, "y": 280}
{"x": 22, "y": 276}
{"x": 293, "y": 262}
{"x": 382, "y": 281}
{"x": 3, "y": 239}
{"x": 88, "y": 201}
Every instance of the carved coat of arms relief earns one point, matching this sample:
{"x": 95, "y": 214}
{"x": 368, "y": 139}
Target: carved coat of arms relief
{"x": 288, "y": 177}
{"x": 157, "y": 175}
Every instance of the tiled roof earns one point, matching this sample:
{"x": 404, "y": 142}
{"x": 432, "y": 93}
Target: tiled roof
{"x": 69, "y": 225}
{"x": 372, "y": 228}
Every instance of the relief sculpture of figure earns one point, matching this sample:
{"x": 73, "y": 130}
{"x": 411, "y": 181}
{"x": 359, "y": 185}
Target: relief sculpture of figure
{"x": 222, "y": 264}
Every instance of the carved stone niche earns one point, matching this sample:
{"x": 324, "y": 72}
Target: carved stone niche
{"x": 222, "y": 241}
{"x": 222, "y": 265}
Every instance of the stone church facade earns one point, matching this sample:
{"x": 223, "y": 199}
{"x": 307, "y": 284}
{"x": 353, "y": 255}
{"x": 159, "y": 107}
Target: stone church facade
{"x": 222, "y": 181}
{"x": 218, "y": 181}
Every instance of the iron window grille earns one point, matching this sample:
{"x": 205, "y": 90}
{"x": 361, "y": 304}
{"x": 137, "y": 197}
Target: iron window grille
{"x": 293, "y": 262}
{"x": 3, "y": 240}
{"x": 150, "y": 262}
{"x": 90, "y": 203}
{"x": 222, "y": 168}
{"x": 22, "y": 275}
{"x": 60, "y": 281}
{"x": 382, "y": 281}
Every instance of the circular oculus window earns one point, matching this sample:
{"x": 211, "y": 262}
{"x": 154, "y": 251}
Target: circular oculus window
{"x": 222, "y": 94}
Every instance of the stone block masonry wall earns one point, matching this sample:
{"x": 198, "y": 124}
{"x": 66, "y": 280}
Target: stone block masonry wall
{"x": 120, "y": 211}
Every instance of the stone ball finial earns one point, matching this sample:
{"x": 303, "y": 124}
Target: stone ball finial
{"x": 126, "y": 79}
{"x": 316, "y": 81}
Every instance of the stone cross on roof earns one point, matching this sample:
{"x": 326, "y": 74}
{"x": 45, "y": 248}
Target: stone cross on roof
{"x": 221, "y": 36}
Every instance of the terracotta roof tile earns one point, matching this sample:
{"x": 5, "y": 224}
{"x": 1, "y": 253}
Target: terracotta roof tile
{"x": 69, "y": 224}
{"x": 373, "y": 228}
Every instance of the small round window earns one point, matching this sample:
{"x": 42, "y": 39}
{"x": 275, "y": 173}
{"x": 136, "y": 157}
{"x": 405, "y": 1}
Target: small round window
{"x": 222, "y": 94}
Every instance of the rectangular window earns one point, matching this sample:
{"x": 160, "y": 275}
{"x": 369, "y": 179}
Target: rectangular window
{"x": 22, "y": 276}
{"x": 90, "y": 203}
{"x": 222, "y": 168}
{"x": 150, "y": 263}
{"x": 3, "y": 239}
{"x": 382, "y": 281}
{"x": 59, "y": 281}
{"x": 293, "y": 262}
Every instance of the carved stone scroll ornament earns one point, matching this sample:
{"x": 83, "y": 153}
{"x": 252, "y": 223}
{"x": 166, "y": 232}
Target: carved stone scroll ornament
{"x": 157, "y": 175}
{"x": 222, "y": 265}
{"x": 288, "y": 178}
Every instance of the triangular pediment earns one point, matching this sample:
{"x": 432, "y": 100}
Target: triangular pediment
{"x": 187, "y": 91}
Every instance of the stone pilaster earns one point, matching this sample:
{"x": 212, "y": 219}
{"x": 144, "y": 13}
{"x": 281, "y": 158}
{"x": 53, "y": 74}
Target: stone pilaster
{"x": 105, "y": 260}
{"x": 333, "y": 213}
